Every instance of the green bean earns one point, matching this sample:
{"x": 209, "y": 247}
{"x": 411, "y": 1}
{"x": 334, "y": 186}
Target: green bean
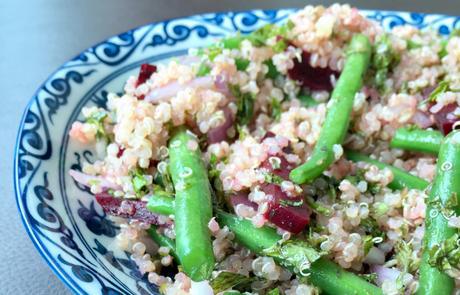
{"x": 328, "y": 276}
{"x": 401, "y": 178}
{"x": 419, "y": 140}
{"x": 338, "y": 115}
{"x": 193, "y": 207}
{"x": 161, "y": 203}
{"x": 444, "y": 197}
{"x": 163, "y": 241}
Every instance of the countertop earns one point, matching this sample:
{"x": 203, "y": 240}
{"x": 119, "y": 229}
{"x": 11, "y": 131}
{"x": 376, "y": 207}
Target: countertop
{"x": 36, "y": 37}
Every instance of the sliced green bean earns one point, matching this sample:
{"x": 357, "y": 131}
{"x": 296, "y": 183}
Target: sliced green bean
{"x": 338, "y": 115}
{"x": 401, "y": 178}
{"x": 443, "y": 198}
{"x": 163, "y": 241}
{"x": 326, "y": 275}
{"x": 161, "y": 203}
{"x": 419, "y": 140}
{"x": 193, "y": 209}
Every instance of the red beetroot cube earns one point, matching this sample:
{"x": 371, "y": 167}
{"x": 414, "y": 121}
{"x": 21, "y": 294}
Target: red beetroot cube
{"x": 445, "y": 118}
{"x": 280, "y": 167}
{"x": 313, "y": 78}
{"x": 242, "y": 198}
{"x": 145, "y": 72}
{"x": 131, "y": 209}
{"x": 288, "y": 213}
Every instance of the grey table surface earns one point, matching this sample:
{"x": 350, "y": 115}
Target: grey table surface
{"x": 36, "y": 37}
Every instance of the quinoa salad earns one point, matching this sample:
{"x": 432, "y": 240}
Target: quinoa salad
{"x": 316, "y": 156}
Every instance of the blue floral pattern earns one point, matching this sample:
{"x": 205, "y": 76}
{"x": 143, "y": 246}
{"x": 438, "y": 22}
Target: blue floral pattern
{"x": 62, "y": 219}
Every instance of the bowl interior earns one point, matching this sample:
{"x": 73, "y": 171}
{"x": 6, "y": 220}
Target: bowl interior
{"x": 70, "y": 231}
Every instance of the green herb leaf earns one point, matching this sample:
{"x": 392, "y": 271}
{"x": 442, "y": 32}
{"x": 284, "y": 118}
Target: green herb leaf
{"x": 203, "y": 70}
{"x": 413, "y": 45}
{"x": 97, "y": 119}
{"x": 368, "y": 243}
{"x": 307, "y": 101}
{"x": 372, "y": 228}
{"x": 275, "y": 291}
{"x": 139, "y": 181}
{"x": 318, "y": 208}
{"x": 384, "y": 59}
{"x": 232, "y": 42}
{"x": 405, "y": 258}
{"x": 290, "y": 203}
{"x": 228, "y": 280}
{"x": 370, "y": 277}
{"x": 276, "y": 109}
{"x": 272, "y": 71}
{"x": 241, "y": 64}
{"x": 443, "y": 86}
{"x": 297, "y": 255}
{"x": 245, "y": 105}
{"x": 446, "y": 255}
{"x": 273, "y": 178}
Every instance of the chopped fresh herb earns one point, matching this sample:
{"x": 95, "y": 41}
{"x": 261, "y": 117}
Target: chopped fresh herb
{"x": 279, "y": 46}
{"x": 97, "y": 119}
{"x": 297, "y": 255}
{"x": 259, "y": 37}
{"x": 139, "y": 181}
{"x": 214, "y": 50}
{"x": 368, "y": 243}
{"x": 245, "y": 105}
{"x": 442, "y": 87}
{"x": 355, "y": 179}
{"x": 241, "y": 64}
{"x": 276, "y": 109}
{"x": 384, "y": 59}
{"x": 232, "y": 42}
{"x": 405, "y": 258}
{"x": 217, "y": 188}
{"x": 163, "y": 178}
{"x": 287, "y": 203}
{"x": 413, "y": 45}
{"x": 273, "y": 178}
{"x": 228, "y": 280}
{"x": 370, "y": 277}
{"x": 275, "y": 291}
{"x": 443, "y": 51}
{"x": 203, "y": 70}
{"x": 242, "y": 132}
{"x": 380, "y": 209}
{"x": 446, "y": 256}
{"x": 318, "y": 208}
{"x": 448, "y": 208}
{"x": 272, "y": 71}
{"x": 307, "y": 101}
{"x": 372, "y": 228}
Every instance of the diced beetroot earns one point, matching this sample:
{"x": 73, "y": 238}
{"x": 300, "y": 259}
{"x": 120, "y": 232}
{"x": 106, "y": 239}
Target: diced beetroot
{"x": 282, "y": 212}
{"x": 121, "y": 151}
{"x": 284, "y": 169}
{"x": 242, "y": 198}
{"x": 131, "y": 209}
{"x": 145, "y": 72}
{"x": 445, "y": 118}
{"x": 220, "y": 133}
{"x": 313, "y": 78}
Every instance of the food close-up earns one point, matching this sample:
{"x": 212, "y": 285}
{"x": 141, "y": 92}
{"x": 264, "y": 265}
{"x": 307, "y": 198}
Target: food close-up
{"x": 315, "y": 155}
